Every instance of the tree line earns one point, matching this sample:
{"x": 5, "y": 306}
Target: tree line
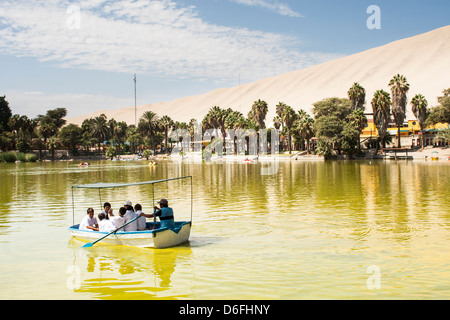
{"x": 337, "y": 123}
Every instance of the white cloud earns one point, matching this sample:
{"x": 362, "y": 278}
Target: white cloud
{"x": 34, "y": 103}
{"x": 275, "y": 6}
{"x": 160, "y": 37}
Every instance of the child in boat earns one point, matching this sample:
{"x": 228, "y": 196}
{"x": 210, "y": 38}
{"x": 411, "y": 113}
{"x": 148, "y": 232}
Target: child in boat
{"x": 141, "y": 222}
{"x": 105, "y": 225}
{"x": 130, "y": 215}
{"x": 89, "y": 222}
{"x": 120, "y": 220}
{"x": 165, "y": 214}
{"x": 107, "y": 210}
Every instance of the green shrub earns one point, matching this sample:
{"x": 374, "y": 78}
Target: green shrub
{"x": 20, "y": 156}
{"x": 31, "y": 157}
{"x": 11, "y": 156}
{"x": 8, "y": 156}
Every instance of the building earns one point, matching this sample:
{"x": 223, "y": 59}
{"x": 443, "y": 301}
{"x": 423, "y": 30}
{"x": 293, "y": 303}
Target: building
{"x": 410, "y": 134}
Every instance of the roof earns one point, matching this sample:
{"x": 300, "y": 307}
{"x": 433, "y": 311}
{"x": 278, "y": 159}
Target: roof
{"x": 101, "y": 185}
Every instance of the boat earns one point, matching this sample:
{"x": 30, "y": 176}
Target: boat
{"x": 247, "y": 160}
{"x": 435, "y": 155}
{"x": 153, "y": 237}
{"x": 84, "y": 164}
{"x": 153, "y": 163}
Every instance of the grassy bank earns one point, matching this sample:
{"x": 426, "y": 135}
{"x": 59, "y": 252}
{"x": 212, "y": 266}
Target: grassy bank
{"x": 11, "y": 156}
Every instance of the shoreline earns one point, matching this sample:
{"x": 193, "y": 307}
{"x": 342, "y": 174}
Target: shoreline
{"x": 442, "y": 153}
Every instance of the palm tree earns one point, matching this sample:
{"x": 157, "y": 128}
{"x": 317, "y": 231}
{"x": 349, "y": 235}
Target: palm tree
{"x": 192, "y": 126}
{"x": 166, "y": 124}
{"x": 215, "y": 119}
{"x": 52, "y": 144}
{"x": 381, "y": 105}
{"x": 258, "y": 113}
{"x": 100, "y": 129}
{"x": 399, "y": 88}
{"x": 357, "y": 96}
{"x": 149, "y": 125}
{"x": 419, "y": 107}
{"x": 279, "y": 111}
{"x": 120, "y": 134}
{"x": 15, "y": 125}
{"x": 277, "y": 122}
{"x": 289, "y": 117}
{"x": 359, "y": 121}
{"x": 305, "y": 127}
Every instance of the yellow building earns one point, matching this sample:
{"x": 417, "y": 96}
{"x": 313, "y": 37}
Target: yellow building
{"x": 410, "y": 134}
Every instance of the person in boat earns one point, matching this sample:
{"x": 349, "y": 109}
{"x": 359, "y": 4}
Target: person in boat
{"x": 141, "y": 222}
{"x": 119, "y": 220}
{"x": 165, "y": 214}
{"x": 130, "y": 215}
{"x": 89, "y": 222}
{"x": 104, "y": 224}
{"x": 107, "y": 210}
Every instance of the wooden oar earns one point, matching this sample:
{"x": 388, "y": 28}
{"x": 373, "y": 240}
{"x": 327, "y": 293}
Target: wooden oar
{"x": 90, "y": 244}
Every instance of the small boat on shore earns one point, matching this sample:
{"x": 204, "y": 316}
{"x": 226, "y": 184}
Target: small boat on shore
{"x": 153, "y": 237}
{"x": 435, "y": 155}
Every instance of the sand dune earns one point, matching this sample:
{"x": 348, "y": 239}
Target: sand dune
{"x": 424, "y": 60}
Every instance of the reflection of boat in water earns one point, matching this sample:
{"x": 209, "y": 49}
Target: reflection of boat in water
{"x": 155, "y": 236}
{"x": 104, "y": 271}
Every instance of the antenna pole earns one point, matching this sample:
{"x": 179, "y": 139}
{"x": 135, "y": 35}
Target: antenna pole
{"x": 135, "y": 112}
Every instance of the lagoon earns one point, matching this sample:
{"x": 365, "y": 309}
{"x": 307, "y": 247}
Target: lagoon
{"x": 315, "y": 230}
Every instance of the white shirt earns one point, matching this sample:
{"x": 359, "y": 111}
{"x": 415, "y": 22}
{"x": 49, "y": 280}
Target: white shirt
{"x": 87, "y": 221}
{"x": 117, "y": 221}
{"x": 106, "y": 226}
{"x": 141, "y": 222}
{"x": 130, "y": 215}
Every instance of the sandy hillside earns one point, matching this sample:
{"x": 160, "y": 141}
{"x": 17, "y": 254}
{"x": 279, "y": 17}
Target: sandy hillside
{"x": 424, "y": 60}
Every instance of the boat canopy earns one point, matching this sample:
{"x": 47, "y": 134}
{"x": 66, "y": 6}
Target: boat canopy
{"x": 101, "y": 185}
{"x": 119, "y": 185}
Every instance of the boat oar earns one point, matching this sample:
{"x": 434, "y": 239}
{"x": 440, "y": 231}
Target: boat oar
{"x": 90, "y": 244}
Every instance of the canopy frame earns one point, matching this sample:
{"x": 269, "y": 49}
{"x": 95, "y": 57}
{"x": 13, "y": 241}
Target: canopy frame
{"x": 100, "y": 186}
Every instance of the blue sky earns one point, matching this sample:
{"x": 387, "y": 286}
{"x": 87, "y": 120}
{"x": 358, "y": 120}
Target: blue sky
{"x": 82, "y": 54}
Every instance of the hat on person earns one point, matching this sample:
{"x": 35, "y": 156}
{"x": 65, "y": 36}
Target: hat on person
{"x": 163, "y": 201}
{"x": 128, "y": 203}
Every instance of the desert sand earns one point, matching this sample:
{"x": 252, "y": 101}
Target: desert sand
{"x": 423, "y": 59}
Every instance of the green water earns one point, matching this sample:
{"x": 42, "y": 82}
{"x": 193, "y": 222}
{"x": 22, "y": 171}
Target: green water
{"x": 314, "y": 230}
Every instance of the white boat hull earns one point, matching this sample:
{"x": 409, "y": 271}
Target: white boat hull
{"x": 158, "y": 238}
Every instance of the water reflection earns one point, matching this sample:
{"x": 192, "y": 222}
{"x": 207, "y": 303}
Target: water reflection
{"x": 144, "y": 273}
{"x": 323, "y": 222}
